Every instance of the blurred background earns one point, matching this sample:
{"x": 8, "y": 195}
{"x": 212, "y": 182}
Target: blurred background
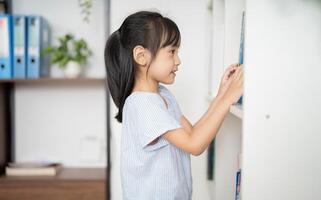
{"x": 58, "y": 135}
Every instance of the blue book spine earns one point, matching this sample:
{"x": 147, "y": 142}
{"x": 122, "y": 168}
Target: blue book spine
{"x": 20, "y": 46}
{"x": 241, "y": 51}
{"x": 38, "y": 35}
{"x": 6, "y": 50}
{"x": 34, "y": 46}
{"x": 238, "y": 186}
{"x": 45, "y": 41}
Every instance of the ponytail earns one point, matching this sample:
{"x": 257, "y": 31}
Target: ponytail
{"x": 121, "y": 72}
{"x": 148, "y": 29}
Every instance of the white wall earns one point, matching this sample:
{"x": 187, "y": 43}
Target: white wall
{"x": 190, "y": 87}
{"x": 57, "y": 121}
{"x": 282, "y": 118}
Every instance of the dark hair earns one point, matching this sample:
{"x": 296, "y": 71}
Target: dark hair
{"x": 148, "y": 29}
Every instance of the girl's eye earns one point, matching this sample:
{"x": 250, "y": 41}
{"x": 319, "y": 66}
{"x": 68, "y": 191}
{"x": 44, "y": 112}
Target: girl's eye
{"x": 173, "y": 51}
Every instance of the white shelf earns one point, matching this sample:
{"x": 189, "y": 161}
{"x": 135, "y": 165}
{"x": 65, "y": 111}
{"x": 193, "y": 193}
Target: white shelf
{"x": 237, "y": 110}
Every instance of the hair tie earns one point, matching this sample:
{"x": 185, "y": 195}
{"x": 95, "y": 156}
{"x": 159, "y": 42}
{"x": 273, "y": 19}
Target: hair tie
{"x": 119, "y": 30}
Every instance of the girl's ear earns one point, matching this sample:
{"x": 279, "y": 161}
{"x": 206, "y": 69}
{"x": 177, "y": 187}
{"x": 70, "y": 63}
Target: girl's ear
{"x": 141, "y": 55}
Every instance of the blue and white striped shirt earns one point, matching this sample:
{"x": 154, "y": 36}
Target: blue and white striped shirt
{"x": 153, "y": 172}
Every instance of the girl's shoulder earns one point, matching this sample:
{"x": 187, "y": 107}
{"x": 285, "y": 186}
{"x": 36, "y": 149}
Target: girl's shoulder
{"x": 145, "y": 98}
{"x": 141, "y": 98}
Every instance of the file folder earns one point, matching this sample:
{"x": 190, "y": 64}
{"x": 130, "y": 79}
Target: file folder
{"x": 241, "y": 51}
{"x": 19, "y": 46}
{"x": 38, "y": 36}
{"x": 5, "y": 47}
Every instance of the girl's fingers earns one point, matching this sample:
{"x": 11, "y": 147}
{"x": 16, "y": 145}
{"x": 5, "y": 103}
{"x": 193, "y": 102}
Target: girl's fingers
{"x": 229, "y": 71}
{"x": 239, "y": 72}
{"x": 232, "y": 66}
{"x": 240, "y": 79}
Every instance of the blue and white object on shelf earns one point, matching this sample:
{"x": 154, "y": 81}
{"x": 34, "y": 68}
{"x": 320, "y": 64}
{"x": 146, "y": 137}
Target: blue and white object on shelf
{"x": 19, "y": 46}
{"x": 6, "y": 47}
{"x": 241, "y": 52}
{"x": 38, "y": 37}
{"x": 238, "y": 185}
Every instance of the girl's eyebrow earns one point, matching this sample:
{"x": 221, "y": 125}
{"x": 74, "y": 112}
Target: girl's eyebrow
{"x": 170, "y": 47}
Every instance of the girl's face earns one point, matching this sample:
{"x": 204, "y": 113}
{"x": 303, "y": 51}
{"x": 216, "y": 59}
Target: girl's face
{"x": 163, "y": 67}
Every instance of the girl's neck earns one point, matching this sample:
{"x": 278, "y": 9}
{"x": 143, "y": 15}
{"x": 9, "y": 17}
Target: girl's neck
{"x": 146, "y": 86}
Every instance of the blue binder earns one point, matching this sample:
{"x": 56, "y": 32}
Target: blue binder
{"x": 241, "y": 52}
{"x": 38, "y": 36}
{"x": 19, "y": 46}
{"x": 5, "y": 47}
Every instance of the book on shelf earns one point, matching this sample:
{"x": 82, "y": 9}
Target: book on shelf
{"x": 22, "y": 39}
{"x": 33, "y": 169}
{"x": 241, "y": 50}
{"x": 238, "y": 178}
{"x": 238, "y": 185}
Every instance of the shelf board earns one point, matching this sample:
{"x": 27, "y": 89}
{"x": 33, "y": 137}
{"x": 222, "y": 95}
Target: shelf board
{"x": 65, "y": 174}
{"x": 70, "y": 183}
{"x": 53, "y": 80}
{"x": 237, "y": 110}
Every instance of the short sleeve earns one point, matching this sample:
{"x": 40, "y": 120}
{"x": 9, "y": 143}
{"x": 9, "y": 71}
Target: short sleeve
{"x": 152, "y": 119}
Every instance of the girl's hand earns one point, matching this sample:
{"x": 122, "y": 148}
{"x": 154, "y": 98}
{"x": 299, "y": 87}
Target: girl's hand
{"x": 224, "y": 81}
{"x": 234, "y": 84}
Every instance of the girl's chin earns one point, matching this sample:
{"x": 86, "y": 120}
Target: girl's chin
{"x": 169, "y": 81}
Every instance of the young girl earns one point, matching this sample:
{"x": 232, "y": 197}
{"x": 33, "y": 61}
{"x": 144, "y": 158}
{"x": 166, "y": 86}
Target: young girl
{"x": 157, "y": 139}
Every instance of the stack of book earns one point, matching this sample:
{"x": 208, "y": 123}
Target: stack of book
{"x": 33, "y": 169}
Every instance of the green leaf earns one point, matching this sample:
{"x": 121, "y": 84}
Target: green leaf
{"x": 69, "y": 49}
{"x": 63, "y": 62}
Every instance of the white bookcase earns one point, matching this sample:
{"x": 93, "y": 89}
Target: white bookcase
{"x": 278, "y": 128}
{"x": 227, "y": 19}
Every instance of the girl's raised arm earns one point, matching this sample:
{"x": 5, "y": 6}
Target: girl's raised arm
{"x": 195, "y": 139}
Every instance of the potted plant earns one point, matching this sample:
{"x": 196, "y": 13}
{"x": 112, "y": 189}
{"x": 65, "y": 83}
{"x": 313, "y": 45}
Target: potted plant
{"x": 71, "y": 55}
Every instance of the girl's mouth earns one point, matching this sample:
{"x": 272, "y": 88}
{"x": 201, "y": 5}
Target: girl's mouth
{"x": 173, "y": 72}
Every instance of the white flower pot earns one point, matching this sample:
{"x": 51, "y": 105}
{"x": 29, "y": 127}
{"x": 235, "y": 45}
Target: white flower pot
{"x": 72, "y": 70}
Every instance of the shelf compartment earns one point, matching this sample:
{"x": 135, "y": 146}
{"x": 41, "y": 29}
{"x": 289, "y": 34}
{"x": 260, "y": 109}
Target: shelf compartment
{"x": 237, "y": 110}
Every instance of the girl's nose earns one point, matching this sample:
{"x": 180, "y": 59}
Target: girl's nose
{"x": 177, "y": 61}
